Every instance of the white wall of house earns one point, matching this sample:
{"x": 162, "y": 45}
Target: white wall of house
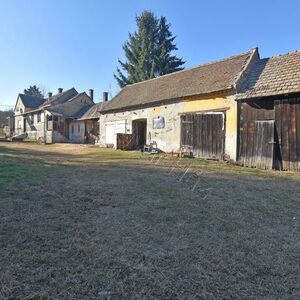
{"x": 19, "y": 120}
{"x": 77, "y": 131}
{"x": 167, "y": 138}
{"x": 35, "y": 125}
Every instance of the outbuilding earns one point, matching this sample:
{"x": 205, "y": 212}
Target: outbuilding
{"x": 269, "y": 114}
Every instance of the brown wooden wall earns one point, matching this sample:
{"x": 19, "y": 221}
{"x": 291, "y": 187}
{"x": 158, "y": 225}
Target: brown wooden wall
{"x": 279, "y": 141}
{"x": 204, "y": 134}
{"x": 287, "y": 119}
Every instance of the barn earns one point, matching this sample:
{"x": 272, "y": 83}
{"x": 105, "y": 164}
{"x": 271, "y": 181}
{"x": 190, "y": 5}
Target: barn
{"x": 193, "y": 109}
{"x": 269, "y": 114}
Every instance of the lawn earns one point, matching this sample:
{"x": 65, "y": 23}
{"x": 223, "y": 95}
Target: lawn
{"x": 80, "y": 222}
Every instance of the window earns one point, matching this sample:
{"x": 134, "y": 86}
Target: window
{"x": 39, "y": 117}
{"x": 19, "y": 124}
{"x": 55, "y": 120}
{"x": 50, "y": 123}
{"x": 21, "y": 110}
{"x": 31, "y": 118}
{"x": 78, "y": 128}
{"x": 72, "y": 129}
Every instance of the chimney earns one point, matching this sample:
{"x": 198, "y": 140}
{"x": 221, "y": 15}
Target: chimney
{"x": 91, "y": 94}
{"x": 59, "y": 90}
{"x": 49, "y": 95}
{"x": 105, "y": 96}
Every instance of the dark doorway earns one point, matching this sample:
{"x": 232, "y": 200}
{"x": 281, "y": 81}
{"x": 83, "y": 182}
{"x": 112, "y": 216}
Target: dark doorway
{"x": 24, "y": 123}
{"x": 139, "y": 133}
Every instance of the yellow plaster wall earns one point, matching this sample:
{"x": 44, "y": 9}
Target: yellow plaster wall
{"x": 219, "y": 102}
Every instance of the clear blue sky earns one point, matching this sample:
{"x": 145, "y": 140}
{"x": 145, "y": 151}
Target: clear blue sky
{"x": 64, "y": 43}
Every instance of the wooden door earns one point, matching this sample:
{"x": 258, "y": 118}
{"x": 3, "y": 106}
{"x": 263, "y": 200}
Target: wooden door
{"x": 264, "y": 144}
{"x": 186, "y": 137}
{"x": 139, "y": 133}
{"x": 288, "y": 127}
{"x": 204, "y": 134}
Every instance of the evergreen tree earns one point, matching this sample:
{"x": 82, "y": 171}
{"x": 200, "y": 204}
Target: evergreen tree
{"x": 148, "y": 51}
{"x": 167, "y": 63}
{"x": 34, "y": 91}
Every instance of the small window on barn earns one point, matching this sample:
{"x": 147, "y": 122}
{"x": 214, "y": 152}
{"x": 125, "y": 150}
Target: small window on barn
{"x": 21, "y": 110}
{"x": 39, "y": 117}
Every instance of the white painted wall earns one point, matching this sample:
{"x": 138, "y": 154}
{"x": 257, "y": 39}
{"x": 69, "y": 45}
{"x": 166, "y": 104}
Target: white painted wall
{"x": 167, "y": 138}
{"x": 35, "y": 127}
{"x": 19, "y": 120}
{"x": 77, "y": 131}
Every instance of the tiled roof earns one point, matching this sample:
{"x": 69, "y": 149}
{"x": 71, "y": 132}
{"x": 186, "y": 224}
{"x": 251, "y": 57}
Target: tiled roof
{"x": 208, "y": 78}
{"x": 61, "y": 97}
{"x": 74, "y": 108}
{"x": 30, "y": 101}
{"x": 272, "y": 76}
{"x": 94, "y": 111}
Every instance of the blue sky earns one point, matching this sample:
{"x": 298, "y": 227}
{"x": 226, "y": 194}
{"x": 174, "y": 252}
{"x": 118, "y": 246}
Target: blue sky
{"x": 64, "y": 43}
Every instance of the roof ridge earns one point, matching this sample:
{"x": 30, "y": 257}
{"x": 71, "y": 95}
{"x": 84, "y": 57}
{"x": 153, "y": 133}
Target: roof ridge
{"x": 63, "y": 92}
{"x": 283, "y": 54}
{"x": 191, "y": 68}
{"x": 254, "y": 56}
{"x": 21, "y": 94}
{"x": 79, "y": 94}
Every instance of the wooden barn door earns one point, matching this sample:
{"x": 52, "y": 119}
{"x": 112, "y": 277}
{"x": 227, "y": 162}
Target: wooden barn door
{"x": 288, "y": 124}
{"x": 204, "y": 134}
{"x": 264, "y": 144}
{"x": 187, "y": 131}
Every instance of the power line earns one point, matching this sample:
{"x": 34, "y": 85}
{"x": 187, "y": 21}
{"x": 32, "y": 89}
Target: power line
{"x": 6, "y": 105}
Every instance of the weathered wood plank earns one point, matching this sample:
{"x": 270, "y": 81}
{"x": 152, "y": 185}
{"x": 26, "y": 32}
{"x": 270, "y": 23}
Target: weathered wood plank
{"x": 298, "y": 133}
{"x": 278, "y": 134}
{"x": 285, "y": 135}
{"x": 292, "y": 135}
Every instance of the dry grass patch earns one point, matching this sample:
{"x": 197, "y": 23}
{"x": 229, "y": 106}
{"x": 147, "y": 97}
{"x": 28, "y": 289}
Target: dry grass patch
{"x": 87, "y": 223}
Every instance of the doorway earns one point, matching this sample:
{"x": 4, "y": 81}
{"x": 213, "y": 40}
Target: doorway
{"x": 139, "y": 133}
{"x": 24, "y": 124}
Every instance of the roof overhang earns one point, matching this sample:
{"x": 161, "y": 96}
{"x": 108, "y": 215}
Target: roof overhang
{"x": 267, "y": 97}
{"x": 228, "y": 90}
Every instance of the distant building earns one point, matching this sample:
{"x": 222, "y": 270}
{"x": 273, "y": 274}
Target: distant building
{"x": 68, "y": 116}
